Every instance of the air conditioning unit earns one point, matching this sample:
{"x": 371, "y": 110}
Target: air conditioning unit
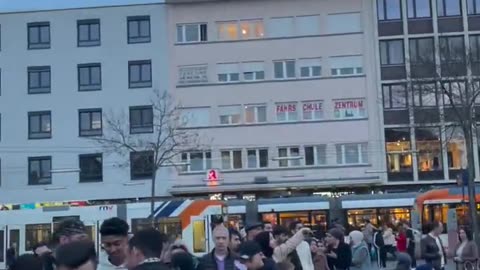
{"x": 260, "y": 180}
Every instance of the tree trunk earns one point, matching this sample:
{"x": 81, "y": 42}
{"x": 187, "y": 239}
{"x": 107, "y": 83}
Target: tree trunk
{"x": 472, "y": 204}
{"x": 152, "y": 197}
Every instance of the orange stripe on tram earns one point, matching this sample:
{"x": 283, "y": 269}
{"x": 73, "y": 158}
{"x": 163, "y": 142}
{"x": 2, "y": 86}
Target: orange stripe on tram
{"x": 195, "y": 209}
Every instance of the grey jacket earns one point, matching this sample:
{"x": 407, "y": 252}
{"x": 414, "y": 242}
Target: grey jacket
{"x": 469, "y": 252}
{"x": 361, "y": 258}
{"x": 431, "y": 253}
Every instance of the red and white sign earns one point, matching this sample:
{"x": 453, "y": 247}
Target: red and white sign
{"x": 351, "y": 108}
{"x": 212, "y": 175}
{"x": 312, "y": 106}
{"x": 286, "y": 108}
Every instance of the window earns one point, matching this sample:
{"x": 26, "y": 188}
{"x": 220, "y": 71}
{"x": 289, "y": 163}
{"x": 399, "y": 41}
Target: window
{"x": 39, "y": 80}
{"x": 307, "y": 25}
{"x": 399, "y": 155}
{"x": 89, "y": 77}
{"x": 349, "y": 108}
{"x": 228, "y": 72}
{"x": 234, "y": 30}
{"x": 141, "y": 119}
{"x": 475, "y": 48}
{"x": 346, "y": 65}
{"x": 257, "y": 158}
{"x": 312, "y": 110}
{"x": 255, "y": 114}
{"x": 196, "y": 32}
{"x": 310, "y": 67}
{"x": 452, "y": 49}
{"x": 284, "y": 69}
{"x": 90, "y": 122}
{"x": 138, "y": 29}
{"x": 449, "y": 8}
{"x": 286, "y": 112}
{"x": 424, "y": 94}
{"x": 422, "y": 51}
{"x": 315, "y": 155}
{"x": 39, "y": 35}
{"x": 253, "y": 71}
{"x": 231, "y": 159}
{"x": 457, "y": 91}
{"x": 391, "y": 52}
{"x": 39, "y": 125}
{"x": 419, "y": 9}
{"x": 352, "y": 153}
{"x": 88, "y": 33}
{"x": 141, "y": 165}
{"x": 473, "y": 6}
{"x": 394, "y": 96}
{"x": 39, "y": 170}
{"x": 140, "y": 74}
{"x": 193, "y": 74}
{"x": 429, "y": 147}
{"x": 230, "y": 115}
{"x": 198, "y": 161}
{"x": 289, "y": 156}
{"x": 280, "y": 27}
{"x": 195, "y": 117}
{"x": 344, "y": 23}
{"x": 91, "y": 168}
{"x": 389, "y": 10}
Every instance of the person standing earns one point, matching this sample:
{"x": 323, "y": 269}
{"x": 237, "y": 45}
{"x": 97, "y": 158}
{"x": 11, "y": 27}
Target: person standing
{"x": 360, "y": 254}
{"x": 379, "y": 244}
{"x": 145, "y": 249}
{"x": 467, "y": 250}
{"x": 251, "y": 230}
{"x": 235, "y": 240}
{"x": 318, "y": 254}
{"x": 339, "y": 254}
{"x": 114, "y": 237}
{"x": 303, "y": 249}
{"x": 368, "y": 232}
{"x": 410, "y": 233}
{"x": 220, "y": 258}
{"x": 389, "y": 240}
{"x": 11, "y": 255}
{"x": 401, "y": 239}
{"x": 432, "y": 248}
{"x": 250, "y": 257}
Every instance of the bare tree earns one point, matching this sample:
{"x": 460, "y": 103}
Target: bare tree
{"x": 154, "y": 144}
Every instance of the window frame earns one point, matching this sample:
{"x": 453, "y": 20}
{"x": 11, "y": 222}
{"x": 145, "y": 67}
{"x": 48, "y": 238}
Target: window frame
{"x": 289, "y": 162}
{"x": 416, "y": 43}
{"x": 443, "y": 7}
{"x": 183, "y": 26}
{"x": 475, "y": 9}
{"x": 312, "y": 112}
{"x": 256, "y": 113}
{"x": 206, "y": 162}
{"x": 231, "y": 159}
{"x": 389, "y": 48}
{"x": 385, "y": 13}
{"x": 90, "y": 177}
{"x": 390, "y": 95}
{"x": 41, "y": 135}
{"x": 316, "y": 154}
{"x": 140, "y": 83}
{"x": 287, "y": 113}
{"x": 39, "y": 159}
{"x": 89, "y": 87}
{"x": 414, "y": 9}
{"x": 230, "y": 116}
{"x": 285, "y": 69}
{"x": 139, "y": 39}
{"x": 257, "y": 158}
{"x": 360, "y": 153}
{"x": 38, "y": 26}
{"x": 92, "y": 41}
{"x": 39, "y": 70}
{"x": 134, "y": 174}
{"x": 448, "y": 60}
{"x": 92, "y": 131}
{"x": 140, "y": 129}
{"x": 474, "y": 42}
{"x": 239, "y": 34}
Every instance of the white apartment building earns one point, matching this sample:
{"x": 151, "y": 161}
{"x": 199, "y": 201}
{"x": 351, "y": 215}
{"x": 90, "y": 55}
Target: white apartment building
{"x": 60, "y": 71}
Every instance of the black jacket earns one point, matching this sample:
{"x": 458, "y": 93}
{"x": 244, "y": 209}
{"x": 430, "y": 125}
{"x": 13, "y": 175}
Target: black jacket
{"x": 209, "y": 262}
{"x": 378, "y": 241}
{"x": 431, "y": 253}
{"x": 152, "y": 266}
{"x": 269, "y": 264}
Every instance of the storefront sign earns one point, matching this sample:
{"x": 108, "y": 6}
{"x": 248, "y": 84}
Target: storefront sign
{"x": 353, "y": 108}
{"x": 312, "y": 107}
{"x": 191, "y": 75}
{"x": 286, "y": 108}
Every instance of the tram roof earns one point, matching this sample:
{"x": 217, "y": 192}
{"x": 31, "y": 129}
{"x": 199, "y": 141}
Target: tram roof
{"x": 356, "y": 197}
{"x": 281, "y": 200}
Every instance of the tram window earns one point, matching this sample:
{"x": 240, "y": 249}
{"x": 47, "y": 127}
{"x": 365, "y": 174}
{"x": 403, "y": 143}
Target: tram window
{"x": 394, "y": 215}
{"x": 36, "y": 233}
{"x": 319, "y": 221}
{"x": 91, "y": 233}
{"x": 270, "y": 217}
{"x": 170, "y": 226}
{"x": 2, "y": 245}
{"x": 356, "y": 217}
{"x": 288, "y": 217}
{"x": 462, "y": 215}
{"x": 57, "y": 220}
{"x": 199, "y": 241}
{"x": 14, "y": 237}
{"x": 235, "y": 221}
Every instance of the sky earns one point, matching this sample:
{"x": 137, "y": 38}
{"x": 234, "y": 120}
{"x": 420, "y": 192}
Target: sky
{"x": 31, "y": 5}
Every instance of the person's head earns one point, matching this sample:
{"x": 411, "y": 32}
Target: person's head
{"x": 295, "y": 226}
{"x": 464, "y": 234}
{"x": 400, "y": 227}
{"x": 27, "y": 262}
{"x": 40, "y": 248}
{"x": 436, "y": 228}
{"x": 235, "y": 240}
{"x": 264, "y": 240}
{"x": 220, "y": 238}
{"x": 178, "y": 246}
{"x": 356, "y": 238}
{"x": 114, "y": 235}
{"x": 253, "y": 229}
{"x": 77, "y": 255}
{"x": 280, "y": 234}
{"x": 182, "y": 261}
{"x": 70, "y": 230}
{"x": 250, "y": 255}
{"x": 14, "y": 245}
{"x": 403, "y": 261}
{"x": 321, "y": 246}
{"x": 366, "y": 220}
{"x": 334, "y": 236}
{"x": 143, "y": 245}
{"x": 313, "y": 245}
{"x": 267, "y": 226}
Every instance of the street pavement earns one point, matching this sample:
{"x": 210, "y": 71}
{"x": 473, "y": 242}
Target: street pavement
{"x": 391, "y": 265}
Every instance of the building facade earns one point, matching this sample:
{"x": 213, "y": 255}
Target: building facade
{"x": 284, "y": 90}
{"x": 61, "y": 70}
{"x": 427, "y": 50}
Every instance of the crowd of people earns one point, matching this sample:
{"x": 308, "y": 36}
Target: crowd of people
{"x": 258, "y": 246}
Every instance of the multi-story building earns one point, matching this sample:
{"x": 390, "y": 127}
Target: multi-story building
{"x": 285, "y": 91}
{"x": 426, "y": 49}
{"x": 60, "y": 71}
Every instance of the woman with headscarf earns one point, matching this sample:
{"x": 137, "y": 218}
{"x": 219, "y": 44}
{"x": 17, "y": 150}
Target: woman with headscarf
{"x": 360, "y": 254}
{"x": 318, "y": 254}
{"x": 339, "y": 255}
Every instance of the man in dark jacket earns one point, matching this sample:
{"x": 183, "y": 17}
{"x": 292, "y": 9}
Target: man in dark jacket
{"x": 145, "y": 249}
{"x": 11, "y": 255}
{"x": 379, "y": 245}
{"x": 220, "y": 258}
{"x": 432, "y": 247}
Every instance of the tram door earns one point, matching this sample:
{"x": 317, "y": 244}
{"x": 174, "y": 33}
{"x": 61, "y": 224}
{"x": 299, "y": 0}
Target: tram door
{"x": 15, "y": 234}
{"x": 3, "y": 247}
{"x": 201, "y": 235}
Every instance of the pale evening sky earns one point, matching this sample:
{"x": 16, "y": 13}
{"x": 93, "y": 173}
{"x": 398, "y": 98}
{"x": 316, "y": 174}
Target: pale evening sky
{"x": 31, "y": 5}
